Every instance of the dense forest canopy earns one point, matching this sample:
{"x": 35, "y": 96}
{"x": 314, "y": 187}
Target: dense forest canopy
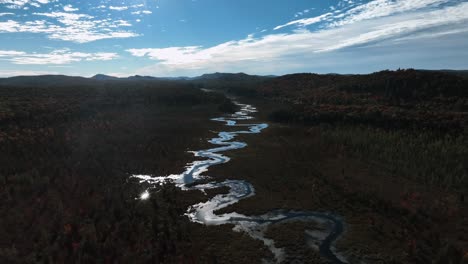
{"x": 68, "y": 145}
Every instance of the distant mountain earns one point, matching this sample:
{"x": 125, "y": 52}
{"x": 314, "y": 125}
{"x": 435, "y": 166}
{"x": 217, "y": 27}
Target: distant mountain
{"x": 396, "y": 86}
{"x": 181, "y": 78}
{"x": 241, "y": 81}
{"x": 204, "y": 77}
{"x": 229, "y": 76}
{"x": 43, "y": 80}
{"x": 61, "y": 80}
{"x": 69, "y": 81}
{"x": 103, "y": 77}
{"x": 141, "y": 78}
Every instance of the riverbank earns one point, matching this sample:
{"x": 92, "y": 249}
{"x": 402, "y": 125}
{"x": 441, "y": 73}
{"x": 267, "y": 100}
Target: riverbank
{"x": 66, "y": 154}
{"x": 390, "y": 219}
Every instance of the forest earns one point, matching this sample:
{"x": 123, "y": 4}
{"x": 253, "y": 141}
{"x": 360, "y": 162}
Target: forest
{"x": 417, "y": 120}
{"x": 66, "y": 153}
{"x": 387, "y": 151}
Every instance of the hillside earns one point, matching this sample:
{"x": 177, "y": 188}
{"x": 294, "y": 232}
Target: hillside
{"x": 387, "y": 99}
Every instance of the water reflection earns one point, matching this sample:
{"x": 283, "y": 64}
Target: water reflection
{"x": 330, "y": 226}
{"x": 145, "y": 195}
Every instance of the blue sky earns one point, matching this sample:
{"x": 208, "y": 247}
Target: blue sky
{"x": 192, "y": 37}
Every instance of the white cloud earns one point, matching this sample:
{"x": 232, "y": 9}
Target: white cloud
{"x": 371, "y": 10}
{"x": 382, "y": 8}
{"x": 102, "y": 56}
{"x": 283, "y": 50}
{"x": 14, "y": 2}
{"x": 70, "y": 8}
{"x": 57, "y": 57}
{"x": 173, "y": 55}
{"x": 118, "y": 8}
{"x": 306, "y": 21}
{"x": 303, "y": 12}
{"x": 17, "y": 4}
{"x": 122, "y": 23}
{"x": 80, "y": 28}
{"x": 9, "y": 73}
{"x": 406, "y": 24}
{"x": 8, "y": 53}
{"x": 145, "y": 12}
{"x": 65, "y": 18}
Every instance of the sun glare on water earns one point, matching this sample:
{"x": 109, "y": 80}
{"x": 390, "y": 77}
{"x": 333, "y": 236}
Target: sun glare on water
{"x": 145, "y": 195}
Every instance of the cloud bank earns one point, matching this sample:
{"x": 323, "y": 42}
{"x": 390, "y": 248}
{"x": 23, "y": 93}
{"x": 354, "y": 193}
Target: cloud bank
{"x": 380, "y": 22}
{"x": 62, "y": 22}
{"x": 57, "y": 57}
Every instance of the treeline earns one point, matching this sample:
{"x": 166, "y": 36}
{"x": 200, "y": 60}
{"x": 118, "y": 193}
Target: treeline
{"x": 408, "y": 85}
{"x": 393, "y": 86}
{"x": 388, "y": 99}
{"x": 239, "y": 84}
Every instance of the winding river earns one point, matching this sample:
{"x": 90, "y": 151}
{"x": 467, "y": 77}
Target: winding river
{"x": 326, "y": 228}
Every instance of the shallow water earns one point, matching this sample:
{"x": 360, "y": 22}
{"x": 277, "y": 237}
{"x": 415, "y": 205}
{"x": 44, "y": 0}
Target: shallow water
{"x": 323, "y": 238}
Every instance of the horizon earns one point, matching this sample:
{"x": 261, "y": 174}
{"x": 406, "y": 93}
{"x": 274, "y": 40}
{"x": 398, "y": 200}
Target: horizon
{"x": 233, "y": 73}
{"x": 188, "y": 38}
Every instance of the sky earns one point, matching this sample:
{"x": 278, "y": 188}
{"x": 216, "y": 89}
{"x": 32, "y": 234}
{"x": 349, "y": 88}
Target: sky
{"x": 192, "y": 37}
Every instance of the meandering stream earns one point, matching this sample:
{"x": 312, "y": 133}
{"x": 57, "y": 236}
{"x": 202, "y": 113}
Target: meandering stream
{"x": 326, "y": 229}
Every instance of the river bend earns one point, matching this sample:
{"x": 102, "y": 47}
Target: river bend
{"x": 328, "y": 227}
